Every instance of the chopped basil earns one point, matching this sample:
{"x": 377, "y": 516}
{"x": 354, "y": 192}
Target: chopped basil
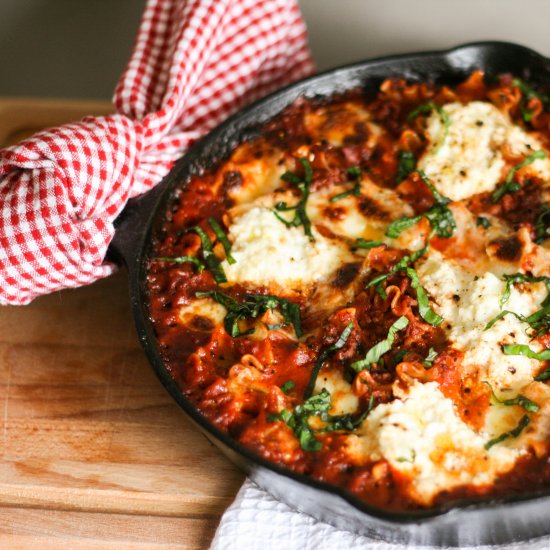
{"x": 401, "y": 265}
{"x": 523, "y": 423}
{"x": 528, "y": 93}
{"x": 252, "y": 307}
{"x": 354, "y": 172}
{"x": 405, "y": 165}
{"x": 426, "y": 312}
{"x": 542, "y": 225}
{"x": 543, "y": 376}
{"x": 298, "y": 420}
{"x": 439, "y": 215}
{"x": 501, "y": 315}
{"x": 183, "y": 259}
{"x": 516, "y": 278}
{"x": 411, "y": 459}
{"x": 483, "y": 222}
{"x": 222, "y": 237}
{"x": 510, "y": 185}
{"x": 212, "y": 262}
{"x": 318, "y": 405}
{"x": 343, "y": 421}
{"x": 300, "y": 215}
{"x": 288, "y": 386}
{"x": 324, "y": 355}
{"x": 376, "y": 352}
{"x": 399, "y": 355}
{"x": 523, "y": 402}
{"x": 520, "y": 400}
{"x": 429, "y": 361}
{"x": 365, "y": 244}
{"x": 426, "y": 109}
{"x": 526, "y": 351}
{"x": 398, "y": 226}
{"x": 539, "y": 321}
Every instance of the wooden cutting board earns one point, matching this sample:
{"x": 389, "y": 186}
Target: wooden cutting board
{"x": 94, "y": 453}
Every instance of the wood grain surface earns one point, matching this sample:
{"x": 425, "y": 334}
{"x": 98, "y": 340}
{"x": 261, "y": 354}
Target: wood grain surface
{"x": 94, "y": 453}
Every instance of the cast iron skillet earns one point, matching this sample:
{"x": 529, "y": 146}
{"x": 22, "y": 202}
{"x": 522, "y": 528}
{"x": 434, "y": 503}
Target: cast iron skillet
{"x": 488, "y": 522}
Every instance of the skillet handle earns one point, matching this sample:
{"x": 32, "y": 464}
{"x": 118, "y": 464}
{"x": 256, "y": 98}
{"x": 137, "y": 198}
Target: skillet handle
{"x": 130, "y": 227}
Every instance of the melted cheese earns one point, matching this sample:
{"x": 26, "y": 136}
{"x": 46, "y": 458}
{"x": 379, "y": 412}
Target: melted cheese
{"x": 204, "y": 308}
{"x": 422, "y": 436}
{"x": 469, "y": 159}
{"x": 353, "y": 217}
{"x": 343, "y": 400}
{"x": 267, "y": 251}
{"x": 334, "y": 124}
{"x": 467, "y": 303}
{"x": 259, "y": 174}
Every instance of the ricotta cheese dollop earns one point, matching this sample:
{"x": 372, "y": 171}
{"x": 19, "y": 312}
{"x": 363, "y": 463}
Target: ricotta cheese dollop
{"x": 422, "y": 436}
{"x": 467, "y": 302}
{"x": 466, "y": 158}
{"x": 267, "y": 251}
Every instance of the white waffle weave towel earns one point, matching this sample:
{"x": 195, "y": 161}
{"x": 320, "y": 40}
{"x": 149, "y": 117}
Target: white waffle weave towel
{"x": 256, "y": 521}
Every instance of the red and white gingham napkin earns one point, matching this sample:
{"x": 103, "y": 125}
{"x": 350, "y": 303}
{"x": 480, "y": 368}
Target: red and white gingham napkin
{"x": 194, "y": 63}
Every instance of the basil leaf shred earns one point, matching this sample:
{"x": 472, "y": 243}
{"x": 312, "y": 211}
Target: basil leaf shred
{"x": 300, "y": 214}
{"x": 210, "y": 259}
{"x": 483, "y": 222}
{"x": 510, "y": 185}
{"x": 183, "y": 259}
{"x": 252, "y": 307}
{"x": 439, "y": 215}
{"x": 523, "y": 423}
{"x": 354, "y": 172}
{"x": 426, "y": 312}
{"x": 429, "y": 361}
{"x": 543, "y": 376}
{"x": 519, "y": 399}
{"x": 222, "y": 237}
{"x": 526, "y": 351}
{"x": 426, "y": 109}
{"x": 375, "y": 353}
{"x": 365, "y": 244}
{"x": 406, "y": 164}
{"x": 318, "y": 405}
{"x": 528, "y": 93}
{"x": 324, "y": 355}
{"x": 288, "y": 386}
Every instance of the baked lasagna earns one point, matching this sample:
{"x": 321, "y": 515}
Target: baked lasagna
{"x": 360, "y": 292}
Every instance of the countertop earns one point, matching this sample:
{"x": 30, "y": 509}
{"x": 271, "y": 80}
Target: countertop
{"x": 95, "y": 454}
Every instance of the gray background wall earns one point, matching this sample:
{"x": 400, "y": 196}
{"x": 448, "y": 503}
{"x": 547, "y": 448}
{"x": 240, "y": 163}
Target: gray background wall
{"x": 78, "y": 48}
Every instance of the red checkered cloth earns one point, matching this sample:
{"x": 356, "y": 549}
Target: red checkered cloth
{"x": 194, "y": 63}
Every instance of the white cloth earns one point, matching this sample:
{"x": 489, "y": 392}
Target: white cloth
{"x": 256, "y": 521}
